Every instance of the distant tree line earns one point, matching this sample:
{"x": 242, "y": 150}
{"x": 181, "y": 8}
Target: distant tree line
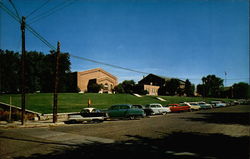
{"x": 129, "y": 87}
{"x": 212, "y": 86}
{"x": 40, "y": 69}
{"x": 171, "y": 87}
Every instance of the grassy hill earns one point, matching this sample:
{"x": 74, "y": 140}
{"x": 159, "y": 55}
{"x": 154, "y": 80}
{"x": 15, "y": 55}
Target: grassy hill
{"x": 74, "y": 102}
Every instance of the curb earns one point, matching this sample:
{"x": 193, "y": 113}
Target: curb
{"x": 30, "y": 124}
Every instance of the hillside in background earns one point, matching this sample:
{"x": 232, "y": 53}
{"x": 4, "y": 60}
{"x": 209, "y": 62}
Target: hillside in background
{"x": 74, "y": 102}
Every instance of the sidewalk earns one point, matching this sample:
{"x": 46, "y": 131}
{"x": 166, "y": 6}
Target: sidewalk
{"x": 29, "y": 124}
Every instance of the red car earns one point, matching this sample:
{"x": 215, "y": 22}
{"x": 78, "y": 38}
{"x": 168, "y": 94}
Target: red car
{"x": 179, "y": 107}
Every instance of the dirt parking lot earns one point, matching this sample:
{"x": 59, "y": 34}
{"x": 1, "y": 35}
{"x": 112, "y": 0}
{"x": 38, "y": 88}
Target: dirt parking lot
{"x": 217, "y": 133}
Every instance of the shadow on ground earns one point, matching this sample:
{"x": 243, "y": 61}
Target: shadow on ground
{"x": 177, "y": 145}
{"x": 224, "y": 118}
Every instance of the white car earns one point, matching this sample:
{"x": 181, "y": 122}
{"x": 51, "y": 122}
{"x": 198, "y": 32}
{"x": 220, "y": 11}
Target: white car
{"x": 217, "y": 104}
{"x": 193, "y": 105}
{"x": 205, "y": 105}
{"x": 87, "y": 115}
{"x": 156, "y": 108}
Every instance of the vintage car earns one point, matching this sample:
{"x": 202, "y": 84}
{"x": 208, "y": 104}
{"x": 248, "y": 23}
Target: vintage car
{"x": 178, "y": 107}
{"x": 125, "y": 111}
{"x": 205, "y": 105}
{"x": 156, "y": 108}
{"x": 87, "y": 115}
{"x": 146, "y": 111}
{"x": 217, "y": 104}
{"x": 193, "y": 105}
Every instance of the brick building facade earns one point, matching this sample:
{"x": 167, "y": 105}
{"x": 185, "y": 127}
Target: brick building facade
{"x": 99, "y": 76}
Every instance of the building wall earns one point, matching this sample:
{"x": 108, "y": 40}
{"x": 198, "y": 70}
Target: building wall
{"x": 152, "y": 90}
{"x": 102, "y": 77}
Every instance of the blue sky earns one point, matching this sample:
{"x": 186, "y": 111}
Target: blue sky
{"x": 187, "y": 39}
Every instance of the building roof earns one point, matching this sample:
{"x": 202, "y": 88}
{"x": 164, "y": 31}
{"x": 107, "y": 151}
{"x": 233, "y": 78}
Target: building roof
{"x": 98, "y": 69}
{"x": 166, "y": 78}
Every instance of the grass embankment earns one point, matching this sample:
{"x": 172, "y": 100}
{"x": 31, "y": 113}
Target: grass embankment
{"x": 74, "y": 102}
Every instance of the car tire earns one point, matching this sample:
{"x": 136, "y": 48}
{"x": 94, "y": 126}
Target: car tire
{"x": 131, "y": 117}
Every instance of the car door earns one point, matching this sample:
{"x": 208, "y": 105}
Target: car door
{"x": 154, "y": 109}
{"x": 114, "y": 111}
{"x": 123, "y": 110}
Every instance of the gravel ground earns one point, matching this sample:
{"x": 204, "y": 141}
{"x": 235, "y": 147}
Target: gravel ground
{"x": 216, "y": 133}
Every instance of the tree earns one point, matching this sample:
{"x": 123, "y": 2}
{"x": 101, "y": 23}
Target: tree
{"x": 172, "y": 86}
{"x": 9, "y": 71}
{"x": 128, "y": 86}
{"x": 139, "y": 89}
{"x": 201, "y": 89}
{"x": 33, "y": 70}
{"x": 212, "y": 86}
{"x": 189, "y": 88}
{"x": 94, "y": 88}
{"x": 119, "y": 88}
{"x": 39, "y": 75}
{"x": 48, "y": 70}
{"x": 241, "y": 90}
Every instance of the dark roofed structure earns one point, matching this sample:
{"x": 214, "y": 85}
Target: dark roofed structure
{"x": 152, "y": 80}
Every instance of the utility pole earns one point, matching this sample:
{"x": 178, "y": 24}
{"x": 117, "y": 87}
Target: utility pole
{"x": 56, "y": 83}
{"x": 225, "y": 79}
{"x": 23, "y": 87}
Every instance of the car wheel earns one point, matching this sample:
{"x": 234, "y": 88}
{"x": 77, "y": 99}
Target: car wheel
{"x": 131, "y": 117}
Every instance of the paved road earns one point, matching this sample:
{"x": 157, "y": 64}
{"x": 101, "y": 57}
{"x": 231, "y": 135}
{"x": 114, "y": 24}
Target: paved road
{"x": 216, "y": 133}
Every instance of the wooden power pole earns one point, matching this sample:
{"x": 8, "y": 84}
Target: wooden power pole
{"x": 23, "y": 87}
{"x": 56, "y": 78}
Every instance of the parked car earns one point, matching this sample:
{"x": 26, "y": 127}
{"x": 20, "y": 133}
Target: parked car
{"x": 125, "y": 111}
{"x": 205, "y": 105}
{"x": 147, "y": 111}
{"x": 217, "y": 104}
{"x": 156, "y": 108}
{"x": 193, "y": 105}
{"x": 88, "y": 115}
{"x": 178, "y": 107}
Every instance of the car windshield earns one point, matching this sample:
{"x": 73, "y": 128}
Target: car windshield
{"x": 153, "y": 106}
{"x": 124, "y": 107}
{"x": 114, "y": 107}
{"x": 137, "y": 107}
{"x": 85, "y": 111}
{"x": 194, "y": 104}
{"x": 183, "y": 105}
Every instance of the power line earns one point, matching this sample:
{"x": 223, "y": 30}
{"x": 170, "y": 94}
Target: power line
{"x": 35, "y": 10}
{"x": 107, "y": 64}
{"x": 13, "y": 5}
{"x": 51, "y": 11}
{"x": 8, "y": 11}
{"x": 28, "y": 27}
{"x": 42, "y": 39}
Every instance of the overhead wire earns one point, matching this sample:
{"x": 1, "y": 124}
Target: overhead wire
{"x": 107, "y": 64}
{"x": 40, "y": 37}
{"x": 35, "y": 33}
{"x": 38, "y": 8}
{"x": 8, "y": 11}
{"x": 13, "y": 5}
{"x": 52, "y": 11}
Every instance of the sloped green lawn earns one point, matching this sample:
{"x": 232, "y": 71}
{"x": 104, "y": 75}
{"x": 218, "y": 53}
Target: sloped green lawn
{"x": 74, "y": 102}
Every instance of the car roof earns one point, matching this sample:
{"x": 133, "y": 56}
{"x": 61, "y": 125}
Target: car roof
{"x": 90, "y": 109}
{"x": 116, "y": 105}
{"x": 155, "y": 104}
